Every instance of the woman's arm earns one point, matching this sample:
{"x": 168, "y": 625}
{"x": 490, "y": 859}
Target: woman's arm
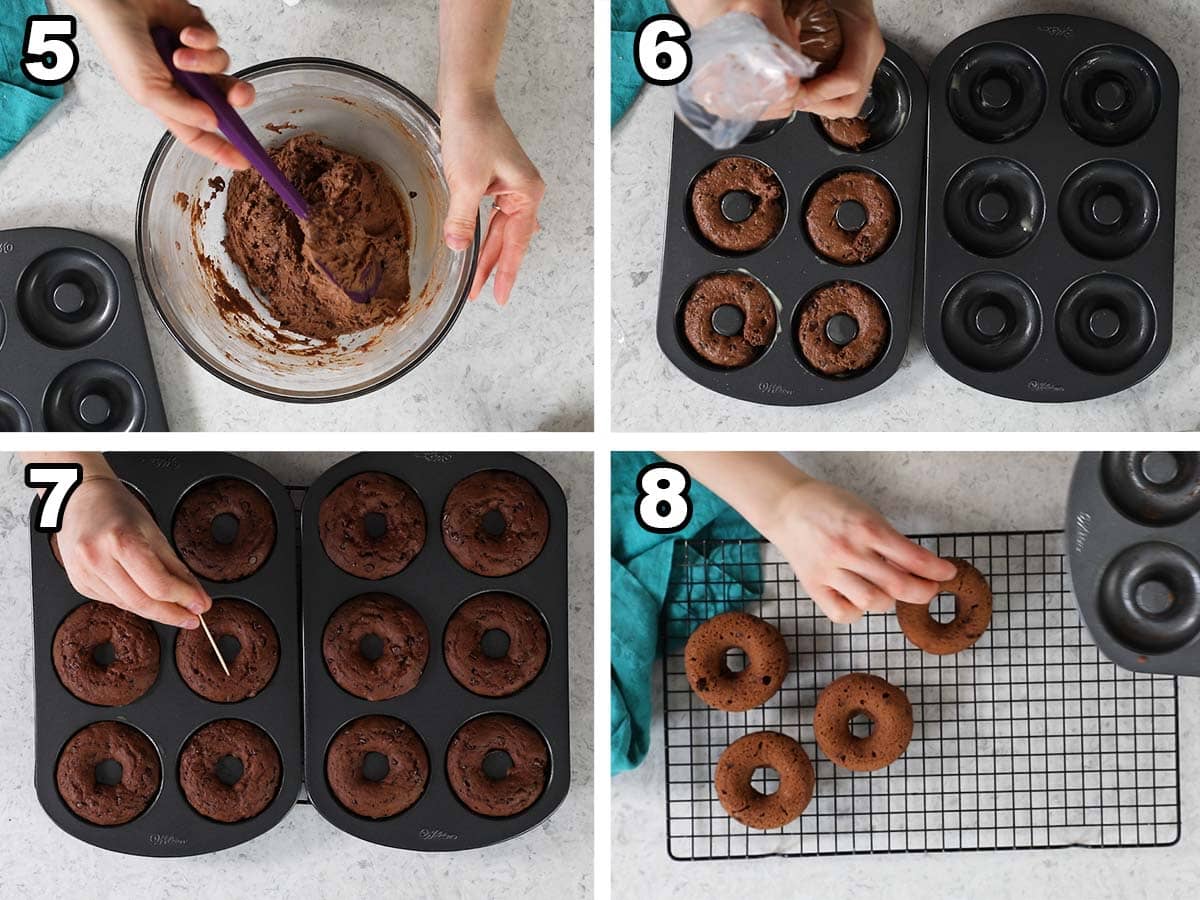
{"x": 114, "y": 552}
{"x": 481, "y": 154}
{"x": 847, "y": 556}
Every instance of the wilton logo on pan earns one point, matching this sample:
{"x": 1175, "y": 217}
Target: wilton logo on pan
{"x": 1058, "y": 31}
{"x": 1045, "y": 386}
{"x": 7, "y": 246}
{"x": 1082, "y": 531}
{"x": 167, "y": 840}
{"x": 436, "y": 834}
{"x": 767, "y": 387}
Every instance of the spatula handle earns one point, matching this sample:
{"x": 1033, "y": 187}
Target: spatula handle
{"x": 204, "y": 88}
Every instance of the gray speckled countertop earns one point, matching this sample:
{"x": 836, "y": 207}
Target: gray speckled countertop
{"x": 527, "y": 367}
{"x": 303, "y": 856}
{"x": 650, "y": 394}
{"x": 1034, "y": 497}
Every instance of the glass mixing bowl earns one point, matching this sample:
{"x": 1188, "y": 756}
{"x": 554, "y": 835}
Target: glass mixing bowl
{"x": 204, "y": 298}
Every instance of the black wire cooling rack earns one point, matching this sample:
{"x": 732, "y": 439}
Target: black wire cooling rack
{"x": 1030, "y": 739}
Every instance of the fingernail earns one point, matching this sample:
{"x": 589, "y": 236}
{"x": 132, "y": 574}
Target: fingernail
{"x": 191, "y": 624}
{"x": 455, "y": 242}
{"x": 196, "y": 607}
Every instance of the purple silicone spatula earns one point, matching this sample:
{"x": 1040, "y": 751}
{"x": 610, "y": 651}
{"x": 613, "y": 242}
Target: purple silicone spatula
{"x": 204, "y": 88}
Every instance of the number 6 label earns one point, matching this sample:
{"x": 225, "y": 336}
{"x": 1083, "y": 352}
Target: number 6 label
{"x": 50, "y": 57}
{"x": 660, "y": 51}
{"x": 663, "y": 505}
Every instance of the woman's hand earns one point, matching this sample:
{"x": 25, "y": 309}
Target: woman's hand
{"x": 114, "y": 552}
{"x": 836, "y": 94}
{"x": 847, "y": 556}
{"x": 121, "y": 28}
{"x": 483, "y": 158}
{"x": 840, "y": 93}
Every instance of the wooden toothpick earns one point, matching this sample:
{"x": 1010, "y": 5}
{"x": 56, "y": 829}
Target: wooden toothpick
{"x": 216, "y": 649}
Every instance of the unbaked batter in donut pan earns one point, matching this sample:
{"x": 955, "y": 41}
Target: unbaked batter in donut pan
{"x": 435, "y": 585}
{"x": 1133, "y": 530}
{"x": 170, "y": 711}
{"x": 73, "y": 348}
{"x": 803, "y": 158}
{"x": 1049, "y": 250}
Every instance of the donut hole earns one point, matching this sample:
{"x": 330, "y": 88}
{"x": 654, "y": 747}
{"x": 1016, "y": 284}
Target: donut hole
{"x": 497, "y": 764}
{"x": 942, "y": 608}
{"x": 765, "y": 780}
{"x": 494, "y": 643}
{"x": 735, "y": 660}
{"x": 104, "y": 655}
{"x": 109, "y": 772}
{"x": 229, "y": 770}
{"x": 860, "y": 725}
{"x": 224, "y": 528}
{"x": 370, "y": 647}
{"x": 375, "y": 766}
{"x": 375, "y": 525}
{"x": 229, "y": 647}
{"x": 493, "y": 523}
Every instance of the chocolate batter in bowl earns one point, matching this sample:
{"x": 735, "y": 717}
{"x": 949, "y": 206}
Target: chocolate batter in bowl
{"x": 231, "y": 328}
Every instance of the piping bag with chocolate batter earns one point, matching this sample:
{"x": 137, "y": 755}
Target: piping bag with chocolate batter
{"x": 358, "y": 277}
{"x": 740, "y": 70}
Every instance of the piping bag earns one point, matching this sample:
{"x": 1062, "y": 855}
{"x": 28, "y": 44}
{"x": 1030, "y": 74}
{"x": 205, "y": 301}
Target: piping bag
{"x": 740, "y": 70}
{"x": 358, "y": 279}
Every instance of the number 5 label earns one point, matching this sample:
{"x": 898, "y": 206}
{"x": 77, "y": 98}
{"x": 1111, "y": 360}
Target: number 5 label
{"x": 50, "y": 56}
{"x": 660, "y": 50}
{"x": 663, "y": 505}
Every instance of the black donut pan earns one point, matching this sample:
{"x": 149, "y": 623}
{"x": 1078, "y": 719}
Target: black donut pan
{"x": 101, "y": 334}
{"x": 1049, "y": 264}
{"x": 170, "y": 711}
{"x": 1115, "y": 513}
{"x": 435, "y": 584}
{"x": 791, "y": 269}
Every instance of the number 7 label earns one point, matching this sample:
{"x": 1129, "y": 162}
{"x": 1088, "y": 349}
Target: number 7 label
{"x": 61, "y": 479}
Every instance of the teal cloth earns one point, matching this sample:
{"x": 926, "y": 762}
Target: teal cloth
{"x": 22, "y": 103}
{"x": 627, "y": 15}
{"x": 643, "y": 588}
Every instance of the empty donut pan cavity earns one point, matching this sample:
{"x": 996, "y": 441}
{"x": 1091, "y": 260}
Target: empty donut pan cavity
{"x": 73, "y": 348}
{"x": 1049, "y": 246}
{"x": 802, "y": 157}
{"x": 1133, "y": 524}
{"x": 170, "y": 712}
{"x": 436, "y": 585}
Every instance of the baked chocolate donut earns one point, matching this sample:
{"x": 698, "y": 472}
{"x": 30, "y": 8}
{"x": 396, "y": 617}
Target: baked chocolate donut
{"x": 735, "y": 771}
{"x": 972, "y": 614}
{"x": 372, "y": 525}
{"x": 252, "y": 664}
{"x": 224, "y": 529}
{"x": 734, "y": 289}
{"x": 526, "y": 779}
{"x": 522, "y": 660}
{"x": 390, "y": 790}
{"x": 738, "y": 175}
{"x": 105, "y": 655}
{"x": 100, "y": 802}
{"x": 848, "y": 133}
{"x": 710, "y": 677}
{"x": 868, "y": 326}
{"x": 375, "y": 646}
{"x": 495, "y": 523}
{"x": 209, "y": 770}
{"x": 850, "y": 246}
{"x": 861, "y": 694}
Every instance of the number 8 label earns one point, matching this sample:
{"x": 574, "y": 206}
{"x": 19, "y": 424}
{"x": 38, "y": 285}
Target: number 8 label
{"x": 663, "y": 505}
